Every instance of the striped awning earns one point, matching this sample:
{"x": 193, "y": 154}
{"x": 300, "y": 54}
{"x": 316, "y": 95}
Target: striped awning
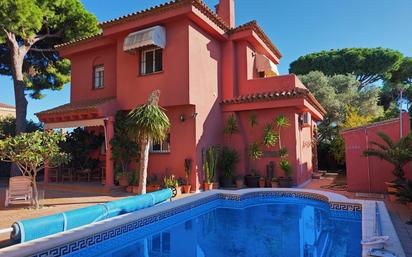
{"x": 152, "y": 36}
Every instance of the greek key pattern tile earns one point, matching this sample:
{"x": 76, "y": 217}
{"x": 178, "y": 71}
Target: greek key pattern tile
{"x": 355, "y": 207}
{"x": 116, "y": 231}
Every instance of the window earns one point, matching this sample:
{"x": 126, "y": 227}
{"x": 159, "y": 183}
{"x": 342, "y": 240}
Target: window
{"x": 161, "y": 147}
{"x": 151, "y": 61}
{"x": 98, "y": 76}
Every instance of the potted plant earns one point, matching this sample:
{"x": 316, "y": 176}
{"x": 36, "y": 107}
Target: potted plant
{"x": 132, "y": 181}
{"x": 262, "y": 182}
{"x": 188, "y": 167}
{"x": 239, "y": 181}
{"x": 274, "y": 182}
{"x": 171, "y": 181}
{"x": 210, "y": 159}
{"x": 153, "y": 184}
{"x": 227, "y": 162}
{"x": 122, "y": 178}
{"x": 287, "y": 169}
{"x": 397, "y": 153}
{"x": 252, "y": 180}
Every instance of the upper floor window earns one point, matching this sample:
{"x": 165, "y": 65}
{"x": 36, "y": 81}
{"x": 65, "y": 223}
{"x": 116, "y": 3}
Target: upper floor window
{"x": 161, "y": 147}
{"x": 151, "y": 61}
{"x": 98, "y": 76}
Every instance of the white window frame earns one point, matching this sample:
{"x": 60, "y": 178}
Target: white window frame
{"x": 162, "y": 146}
{"x": 98, "y": 81}
{"x": 143, "y": 60}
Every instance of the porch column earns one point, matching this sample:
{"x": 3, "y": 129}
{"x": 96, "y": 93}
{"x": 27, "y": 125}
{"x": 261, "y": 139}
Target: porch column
{"x": 109, "y": 163}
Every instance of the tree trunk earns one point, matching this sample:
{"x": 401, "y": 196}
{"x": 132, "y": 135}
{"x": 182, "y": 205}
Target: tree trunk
{"x": 144, "y": 160}
{"x": 280, "y": 140}
{"x": 35, "y": 193}
{"x": 17, "y": 57}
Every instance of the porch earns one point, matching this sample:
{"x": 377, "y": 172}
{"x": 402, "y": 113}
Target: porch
{"x": 93, "y": 115}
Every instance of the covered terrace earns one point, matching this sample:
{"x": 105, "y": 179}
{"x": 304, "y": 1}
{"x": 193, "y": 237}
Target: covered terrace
{"x": 96, "y": 115}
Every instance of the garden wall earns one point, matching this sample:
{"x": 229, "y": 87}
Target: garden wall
{"x": 369, "y": 174}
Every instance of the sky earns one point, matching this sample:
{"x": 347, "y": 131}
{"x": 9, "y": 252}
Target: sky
{"x": 297, "y": 27}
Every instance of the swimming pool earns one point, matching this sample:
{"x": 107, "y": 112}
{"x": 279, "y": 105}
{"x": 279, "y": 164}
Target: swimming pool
{"x": 275, "y": 226}
{"x": 250, "y": 222}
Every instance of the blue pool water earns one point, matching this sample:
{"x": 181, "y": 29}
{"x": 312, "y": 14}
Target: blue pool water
{"x": 278, "y": 227}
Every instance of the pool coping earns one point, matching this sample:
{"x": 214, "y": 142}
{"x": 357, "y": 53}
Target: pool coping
{"x": 68, "y": 241}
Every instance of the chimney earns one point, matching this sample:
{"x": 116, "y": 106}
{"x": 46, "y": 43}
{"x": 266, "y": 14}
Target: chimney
{"x": 226, "y": 10}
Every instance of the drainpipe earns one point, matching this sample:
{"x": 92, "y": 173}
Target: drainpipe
{"x": 367, "y": 159}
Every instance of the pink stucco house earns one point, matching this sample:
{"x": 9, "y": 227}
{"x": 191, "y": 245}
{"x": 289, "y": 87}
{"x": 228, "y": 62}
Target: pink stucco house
{"x": 207, "y": 69}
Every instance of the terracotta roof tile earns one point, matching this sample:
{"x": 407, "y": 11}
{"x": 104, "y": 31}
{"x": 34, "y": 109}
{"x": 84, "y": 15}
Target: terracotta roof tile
{"x": 199, "y": 4}
{"x": 83, "y": 39}
{"x": 276, "y": 95}
{"x": 2, "y": 105}
{"x": 89, "y": 105}
{"x": 258, "y": 30}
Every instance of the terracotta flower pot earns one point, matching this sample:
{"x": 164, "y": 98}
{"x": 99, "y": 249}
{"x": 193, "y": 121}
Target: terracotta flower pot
{"x": 207, "y": 186}
{"x": 123, "y": 181}
{"x": 274, "y": 184}
{"x": 239, "y": 183}
{"x": 129, "y": 189}
{"x": 391, "y": 191}
{"x": 135, "y": 189}
{"x": 152, "y": 188}
{"x": 186, "y": 189}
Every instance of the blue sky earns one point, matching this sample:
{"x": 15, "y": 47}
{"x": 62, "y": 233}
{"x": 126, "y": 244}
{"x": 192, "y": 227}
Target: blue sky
{"x": 297, "y": 27}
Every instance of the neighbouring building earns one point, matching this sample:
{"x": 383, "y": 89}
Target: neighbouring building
{"x": 207, "y": 69}
{"x": 369, "y": 174}
{"x": 7, "y": 110}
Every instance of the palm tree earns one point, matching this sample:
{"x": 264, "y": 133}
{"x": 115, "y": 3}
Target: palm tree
{"x": 147, "y": 123}
{"x": 281, "y": 122}
{"x": 397, "y": 153}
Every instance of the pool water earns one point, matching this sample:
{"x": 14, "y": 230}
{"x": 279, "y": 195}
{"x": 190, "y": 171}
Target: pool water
{"x": 284, "y": 228}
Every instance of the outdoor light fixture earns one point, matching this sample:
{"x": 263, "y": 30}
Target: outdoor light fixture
{"x": 182, "y": 117}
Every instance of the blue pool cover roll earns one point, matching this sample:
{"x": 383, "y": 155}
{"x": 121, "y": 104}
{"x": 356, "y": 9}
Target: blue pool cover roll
{"x": 26, "y": 230}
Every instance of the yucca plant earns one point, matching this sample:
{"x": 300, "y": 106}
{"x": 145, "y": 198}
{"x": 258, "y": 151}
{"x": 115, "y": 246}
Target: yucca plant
{"x": 281, "y": 122}
{"x": 231, "y": 125}
{"x": 254, "y": 152}
{"x": 397, "y": 153}
{"x": 147, "y": 123}
{"x": 270, "y": 137}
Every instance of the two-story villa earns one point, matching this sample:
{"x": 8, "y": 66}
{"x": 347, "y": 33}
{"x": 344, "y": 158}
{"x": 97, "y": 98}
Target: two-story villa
{"x": 207, "y": 69}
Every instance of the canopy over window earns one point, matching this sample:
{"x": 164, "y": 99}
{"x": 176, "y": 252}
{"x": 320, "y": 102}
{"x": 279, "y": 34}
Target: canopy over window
{"x": 151, "y": 36}
{"x": 264, "y": 64}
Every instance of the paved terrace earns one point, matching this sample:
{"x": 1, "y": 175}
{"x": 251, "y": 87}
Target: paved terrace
{"x": 59, "y": 201}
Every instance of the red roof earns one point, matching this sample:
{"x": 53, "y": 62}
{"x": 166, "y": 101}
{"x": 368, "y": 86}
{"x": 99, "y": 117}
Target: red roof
{"x": 89, "y": 105}
{"x": 253, "y": 25}
{"x": 7, "y": 106}
{"x": 277, "y": 95}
